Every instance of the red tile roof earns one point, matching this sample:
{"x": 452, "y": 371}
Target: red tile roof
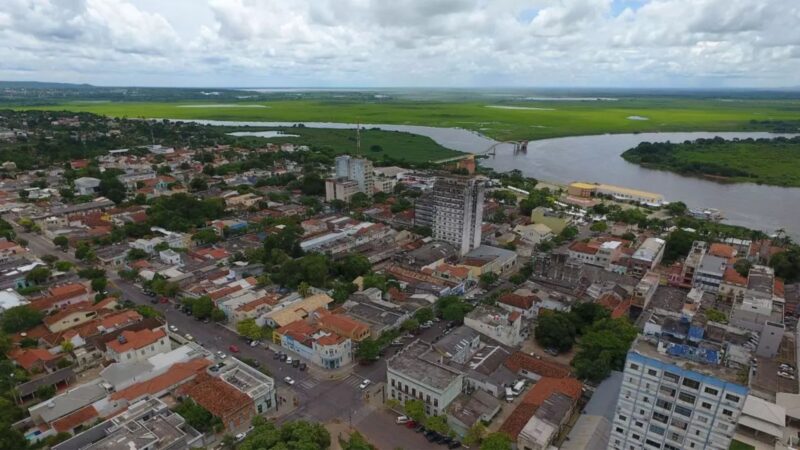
{"x": 68, "y": 423}
{"x": 66, "y": 312}
{"x": 519, "y": 361}
{"x": 343, "y": 324}
{"x": 540, "y": 392}
{"x": 175, "y": 375}
{"x": 582, "y": 247}
{"x": 733, "y": 277}
{"x": 518, "y": 301}
{"x": 215, "y": 395}
{"x": 27, "y": 359}
{"x": 122, "y": 318}
{"x": 721, "y": 250}
{"x": 136, "y": 339}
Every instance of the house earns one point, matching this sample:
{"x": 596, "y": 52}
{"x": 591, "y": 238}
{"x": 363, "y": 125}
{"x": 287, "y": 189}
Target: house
{"x": 113, "y": 256}
{"x": 547, "y": 422}
{"x": 297, "y": 310}
{"x": 418, "y": 372}
{"x": 137, "y": 345}
{"x": 496, "y": 323}
{"x": 647, "y": 256}
{"x": 534, "y": 368}
{"x": 147, "y": 424}
{"x": 170, "y": 257}
{"x": 468, "y": 409}
{"x": 234, "y": 408}
{"x": 33, "y": 359}
{"x": 484, "y": 259}
{"x": 323, "y": 348}
{"x": 343, "y": 325}
{"x": 71, "y": 316}
{"x": 9, "y": 298}
{"x": 534, "y": 233}
{"x": 87, "y": 185}
{"x": 259, "y": 387}
{"x": 545, "y": 389}
{"x": 61, "y": 296}
{"x": 519, "y": 301}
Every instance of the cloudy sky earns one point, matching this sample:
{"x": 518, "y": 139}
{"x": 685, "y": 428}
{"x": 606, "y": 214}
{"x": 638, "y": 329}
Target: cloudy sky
{"x": 337, "y": 43}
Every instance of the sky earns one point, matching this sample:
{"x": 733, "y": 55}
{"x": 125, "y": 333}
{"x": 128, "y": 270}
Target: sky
{"x": 403, "y": 43}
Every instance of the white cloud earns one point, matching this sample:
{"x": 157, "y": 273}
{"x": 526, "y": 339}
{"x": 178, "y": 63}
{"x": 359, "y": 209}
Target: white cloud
{"x": 403, "y": 42}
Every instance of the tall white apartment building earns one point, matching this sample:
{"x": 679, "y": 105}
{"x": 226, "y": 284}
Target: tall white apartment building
{"x": 676, "y": 397}
{"x": 359, "y": 170}
{"x": 458, "y": 211}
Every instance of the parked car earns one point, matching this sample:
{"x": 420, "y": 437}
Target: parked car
{"x": 401, "y": 420}
{"x": 411, "y": 424}
{"x": 173, "y": 328}
{"x": 221, "y": 355}
{"x": 303, "y": 366}
{"x": 164, "y": 300}
{"x": 364, "y": 384}
{"x": 276, "y": 356}
{"x": 188, "y": 337}
{"x": 233, "y": 349}
{"x": 288, "y": 359}
{"x": 551, "y": 351}
{"x": 289, "y": 381}
{"x": 284, "y": 357}
{"x": 296, "y": 363}
{"x": 253, "y": 343}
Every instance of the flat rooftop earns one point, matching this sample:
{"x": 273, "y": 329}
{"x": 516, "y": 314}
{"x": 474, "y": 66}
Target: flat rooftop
{"x": 702, "y": 360}
{"x": 418, "y": 362}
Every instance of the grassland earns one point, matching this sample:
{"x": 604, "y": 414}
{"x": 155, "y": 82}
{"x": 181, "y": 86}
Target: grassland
{"x": 375, "y": 144}
{"x": 766, "y": 161}
{"x": 543, "y": 119}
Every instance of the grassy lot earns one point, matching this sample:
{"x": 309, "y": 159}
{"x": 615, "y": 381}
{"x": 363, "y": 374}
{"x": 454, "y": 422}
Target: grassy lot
{"x": 543, "y": 119}
{"x": 767, "y": 161}
{"x": 375, "y": 144}
{"x": 738, "y": 445}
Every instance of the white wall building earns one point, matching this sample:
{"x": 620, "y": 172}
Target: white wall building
{"x": 458, "y": 211}
{"x": 419, "y": 372}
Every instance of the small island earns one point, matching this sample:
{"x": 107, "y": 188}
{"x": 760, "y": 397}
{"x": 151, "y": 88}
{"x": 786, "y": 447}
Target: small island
{"x": 774, "y": 161}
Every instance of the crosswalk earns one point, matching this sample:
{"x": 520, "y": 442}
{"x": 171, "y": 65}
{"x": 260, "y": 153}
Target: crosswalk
{"x": 352, "y": 380}
{"x": 307, "y": 384}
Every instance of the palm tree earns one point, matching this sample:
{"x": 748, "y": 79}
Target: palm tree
{"x": 304, "y": 289}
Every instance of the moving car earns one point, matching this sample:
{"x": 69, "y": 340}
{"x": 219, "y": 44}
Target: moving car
{"x": 364, "y": 384}
{"x": 296, "y": 363}
{"x": 233, "y": 349}
{"x": 254, "y": 344}
{"x": 221, "y": 355}
{"x": 401, "y": 420}
{"x": 188, "y": 337}
{"x": 302, "y": 366}
{"x": 173, "y": 328}
{"x": 289, "y": 381}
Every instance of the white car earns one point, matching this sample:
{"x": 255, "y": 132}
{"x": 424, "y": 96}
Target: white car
{"x": 254, "y": 344}
{"x": 289, "y": 381}
{"x": 288, "y": 360}
{"x": 221, "y": 355}
{"x": 401, "y": 420}
{"x": 173, "y": 328}
{"x": 188, "y": 337}
{"x": 364, "y": 384}
{"x": 240, "y": 437}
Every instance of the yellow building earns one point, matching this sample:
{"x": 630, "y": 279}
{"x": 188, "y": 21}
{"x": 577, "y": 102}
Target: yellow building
{"x": 583, "y": 190}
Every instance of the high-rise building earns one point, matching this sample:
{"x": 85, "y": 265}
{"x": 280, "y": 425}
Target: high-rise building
{"x": 359, "y": 170}
{"x": 677, "y": 397}
{"x": 423, "y": 210}
{"x": 458, "y": 211}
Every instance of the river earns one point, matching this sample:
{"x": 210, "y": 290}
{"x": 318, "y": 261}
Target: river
{"x": 597, "y": 159}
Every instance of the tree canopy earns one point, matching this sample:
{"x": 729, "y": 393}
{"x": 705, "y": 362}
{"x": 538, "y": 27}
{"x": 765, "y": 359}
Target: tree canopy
{"x": 298, "y": 435}
{"x": 21, "y": 318}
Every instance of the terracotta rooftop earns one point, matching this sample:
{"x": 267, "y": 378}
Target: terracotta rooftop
{"x": 518, "y": 301}
{"x": 331, "y": 339}
{"x": 28, "y": 358}
{"x": 175, "y": 375}
{"x": 540, "y": 392}
{"x": 722, "y": 250}
{"x": 582, "y": 247}
{"x": 343, "y": 324}
{"x": 215, "y": 395}
{"x": 519, "y": 361}
{"x": 733, "y": 277}
{"x": 67, "y": 423}
{"x": 136, "y": 339}
{"x": 67, "y": 290}
{"x": 71, "y": 309}
{"x": 122, "y": 318}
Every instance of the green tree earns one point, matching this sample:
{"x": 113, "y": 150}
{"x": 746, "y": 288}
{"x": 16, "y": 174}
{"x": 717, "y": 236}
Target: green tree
{"x": 99, "y": 284}
{"x": 63, "y": 266}
{"x": 415, "y": 409}
{"x": 368, "y": 350}
{"x": 217, "y": 315}
{"x": 21, "y": 318}
{"x": 359, "y": 200}
{"x": 678, "y": 244}
{"x": 452, "y": 308}
{"x": 196, "y": 416}
{"x": 437, "y": 424}
{"x": 676, "y": 208}
{"x": 304, "y": 289}
{"x": 67, "y": 346}
{"x": 599, "y": 227}
{"x": 198, "y": 184}
{"x": 38, "y": 275}
{"x": 352, "y": 266}
{"x": 61, "y": 242}
{"x": 249, "y": 329}
{"x": 206, "y": 236}
{"x": 45, "y": 392}
{"x": 743, "y": 266}
{"x": 424, "y": 314}
{"x": 556, "y": 330}
{"x": 583, "y": 315}
{"x": 136, "y": 254}
{"x": 357, "y": 442}
{"x": 603, "y": 348}
{"x": 202, "y": 307}
{"x": 475, "y": 434}
{"x": 496, "y": 441}
{"x": 410, "y": 325}
{"x": 148, "y": 311}
{"x": 787, "y": 264}
{"x": 488, "y": 279}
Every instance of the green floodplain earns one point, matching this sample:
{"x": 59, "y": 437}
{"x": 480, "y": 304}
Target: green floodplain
{"x": 500, "y": 119}
{"x": 766, "y": 161}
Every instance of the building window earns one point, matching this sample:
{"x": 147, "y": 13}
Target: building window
{"x": 669, "y": 392}
{"x": 652, "y": 443}
{"x": 652, "y": 372}
{"x": 688, "y": 398}
{"x": 731, "y": 397}
{"x": 660, "y": 417}
{"x": 727, "y": 412}
{"x": 436, "y": 402}
{"x": 634, "y": 366}
{"x": 663, "y": 404}
{"x": 690, "y": 383}
{"x": 711, "y": 391}
{"x": 671, "y": 377}
{"x": 392, "y": 383}
{"x": 683, "y": 411}
{"x": 706, "y": 405}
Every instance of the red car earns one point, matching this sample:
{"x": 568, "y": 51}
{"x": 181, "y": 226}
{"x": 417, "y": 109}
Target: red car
{"x": 411, "y": 424}
{"x": 164, "y": 300}
{"x": 233, "y": 349}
